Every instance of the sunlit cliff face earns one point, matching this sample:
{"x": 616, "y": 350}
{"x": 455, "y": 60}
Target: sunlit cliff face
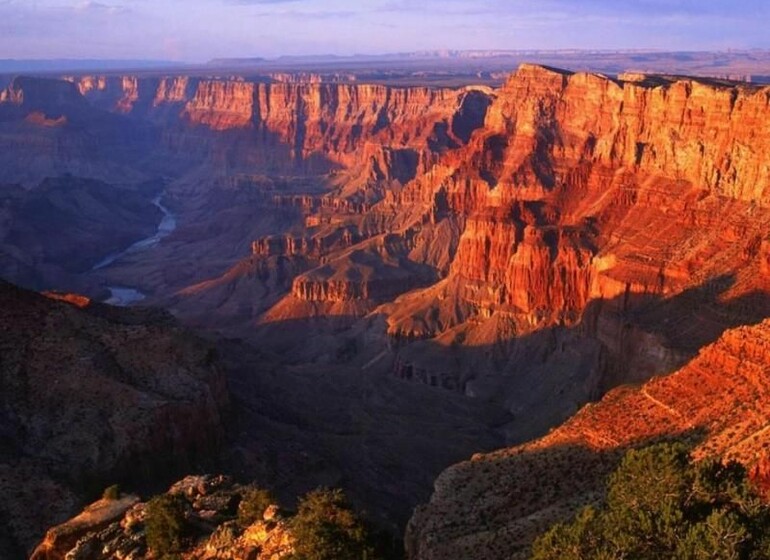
{"x": 557, "y": 201}
{"x": 531, "y": 246}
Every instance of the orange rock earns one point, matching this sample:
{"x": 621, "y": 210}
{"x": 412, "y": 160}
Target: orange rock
{"x": 75, "y": 299}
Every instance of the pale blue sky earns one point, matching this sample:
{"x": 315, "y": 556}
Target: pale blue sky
{"x": 197, "y": 30}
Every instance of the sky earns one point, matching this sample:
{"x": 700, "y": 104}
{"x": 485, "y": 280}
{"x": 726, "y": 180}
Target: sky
{"x": 199, "y": 30}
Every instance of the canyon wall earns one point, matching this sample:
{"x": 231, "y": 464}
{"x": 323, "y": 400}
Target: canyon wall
{"x": 313, "y": 126}
{"x": 585, "y": 199}
{"x": 92, "y": 396}
{"x": 494, "y": 505}
{"x": 559, "y": 200}
{"x": 574, "y": 205}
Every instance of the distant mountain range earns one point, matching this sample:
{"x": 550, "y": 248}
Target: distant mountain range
{"x": 15, "y": 66}
{"x": 749, "y": 65}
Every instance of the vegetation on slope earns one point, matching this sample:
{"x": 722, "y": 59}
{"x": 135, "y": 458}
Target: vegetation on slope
{"x": 662, "y": 505}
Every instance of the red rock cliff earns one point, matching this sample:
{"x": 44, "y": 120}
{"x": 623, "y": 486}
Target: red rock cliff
{"x": 581, "y": 189}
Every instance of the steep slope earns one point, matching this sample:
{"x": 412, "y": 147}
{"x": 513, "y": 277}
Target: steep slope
{"x": 47, "y": 129}
{"x": 495, "y": 504}
{"x": 92, "y": 395}
{"x": 54, "y": 231}
{"x": 592, "y": 231}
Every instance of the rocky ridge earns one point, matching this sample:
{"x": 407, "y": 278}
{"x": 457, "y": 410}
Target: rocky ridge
{"x": 144, "y": 398}
{"x": 495, "y": 504}
{"x": 116, "y": 528}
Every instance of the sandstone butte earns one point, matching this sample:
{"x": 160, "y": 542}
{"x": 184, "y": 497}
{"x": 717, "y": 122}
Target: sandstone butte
{"x": 534, "y": 245}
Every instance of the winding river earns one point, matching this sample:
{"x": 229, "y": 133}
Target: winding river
{"x": 124, "y": 295}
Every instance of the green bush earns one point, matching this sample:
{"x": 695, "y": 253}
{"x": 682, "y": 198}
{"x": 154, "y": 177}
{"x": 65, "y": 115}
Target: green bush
{"x": 111, "y": 493}
{"x": 253, "y": 505}
{"x": 326, "y": 528}
{"x": 165, "y": 524}
{"x": 661, "y": 505}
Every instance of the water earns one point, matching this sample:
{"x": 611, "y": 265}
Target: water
{"x": 166, "y": 226}
{"x": 123, "y": 295}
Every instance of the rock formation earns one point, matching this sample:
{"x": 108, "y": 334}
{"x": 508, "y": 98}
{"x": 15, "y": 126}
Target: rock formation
{"x": 94, "y": 395}
{"x": 532, "y": 246}
{"x": 289, "y": 126}
{"x": 116, "y": 528}
{"x": 495, "y": 504}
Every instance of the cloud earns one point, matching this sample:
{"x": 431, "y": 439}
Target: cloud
{"x": 202, "y": 29}
{"x": 642, "y": 10}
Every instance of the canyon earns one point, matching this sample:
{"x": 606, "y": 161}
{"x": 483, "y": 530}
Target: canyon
{"x": 395, "y": 276}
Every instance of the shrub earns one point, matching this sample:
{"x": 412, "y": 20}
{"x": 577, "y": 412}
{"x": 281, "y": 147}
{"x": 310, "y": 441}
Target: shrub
{"x": 662, "y": 505}
{"x": 325, "y": 528}
{"x": 253, "y": 505}
{"x": 111, "y": 493}
{"x": 165, "y": 524}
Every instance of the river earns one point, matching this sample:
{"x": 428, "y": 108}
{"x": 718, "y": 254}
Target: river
{"x": 124, "y": 295}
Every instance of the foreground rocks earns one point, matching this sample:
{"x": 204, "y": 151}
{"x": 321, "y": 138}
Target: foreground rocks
{"x": 109, "y": 529}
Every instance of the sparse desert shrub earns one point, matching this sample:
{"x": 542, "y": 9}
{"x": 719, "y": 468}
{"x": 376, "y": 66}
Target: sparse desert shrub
{"x": 111, "y": 493}
{"x": 662, "y": 505}
{"x": 326, "y": 528}
{"x": 253, "y": 505}
{"x": 165, "y": 525}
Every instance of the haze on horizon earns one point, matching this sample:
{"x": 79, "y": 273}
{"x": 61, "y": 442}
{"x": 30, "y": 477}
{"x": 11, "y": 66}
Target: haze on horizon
{"x": 198, "y": 30}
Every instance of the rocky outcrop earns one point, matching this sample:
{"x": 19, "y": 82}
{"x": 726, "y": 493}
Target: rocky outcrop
{"x": 117, "y": 528}
{"x": 94, "y": 395}
{"x": 494, "y": 505}
{"x": 316, "y": 246}
{"x": 314, "y": 120}
{"x": 96, "y": 517}
{"x": 584, "y": 199}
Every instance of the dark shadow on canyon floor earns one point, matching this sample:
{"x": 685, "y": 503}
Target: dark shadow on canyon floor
{"x": 334, "y": 404}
